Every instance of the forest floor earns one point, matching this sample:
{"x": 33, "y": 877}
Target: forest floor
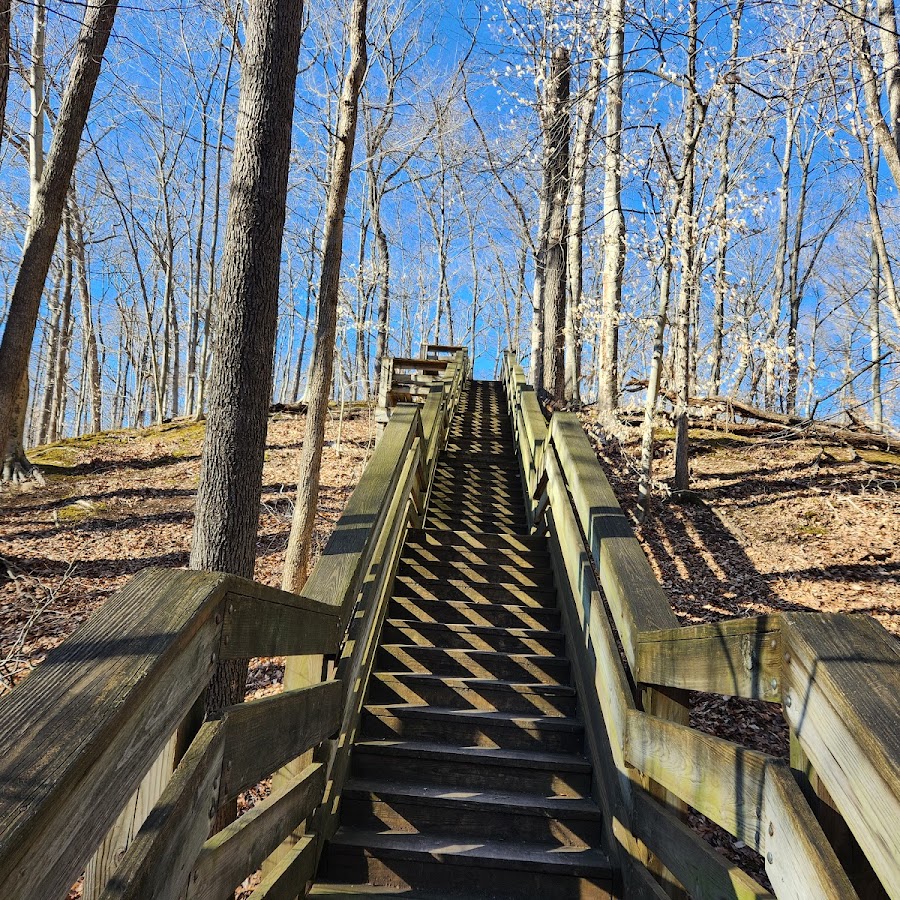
{"x": 772, "y": 526}
{"x": 120, "y": 501}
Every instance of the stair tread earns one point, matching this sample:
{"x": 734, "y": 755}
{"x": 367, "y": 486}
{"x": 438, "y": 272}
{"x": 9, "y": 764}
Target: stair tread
{"x": 490, "y": 854}
{"x": 466, "y": 628}
{"x": 497, "y": 684}
{"x": 333, "y": 891}
{"x": 515, "y": 719}
{"x": 516, "y": 758}
{"x": 523, "y": 803}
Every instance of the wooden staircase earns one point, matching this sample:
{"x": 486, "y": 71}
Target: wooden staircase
{"x": 468, "y": 776}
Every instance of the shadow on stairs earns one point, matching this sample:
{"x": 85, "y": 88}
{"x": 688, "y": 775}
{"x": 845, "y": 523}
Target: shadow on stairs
{"x": 469, "y": 776}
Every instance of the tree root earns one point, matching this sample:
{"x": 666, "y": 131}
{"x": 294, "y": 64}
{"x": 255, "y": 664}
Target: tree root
{"x": 17, "y": 469}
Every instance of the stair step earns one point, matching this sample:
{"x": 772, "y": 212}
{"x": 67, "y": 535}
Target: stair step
{"x": 504, "y": 815}
{"x": 474, "y": 768}
{"x": 505, "y": 575}
{"x": 537, "y": 560}
{"x": 450, "y": 612}
{"x": 461, "y": 589}
{"x": 477, "y": 500}
{"x": 472, "y": 728}
{"x": 387, "y": 688}
{"x": 522, "y": 668}
{"x": 517, "y": 542}
{"x": 348, "y": 891}
{"x": 487, "y": 868}
{"x": 456, "y": 636}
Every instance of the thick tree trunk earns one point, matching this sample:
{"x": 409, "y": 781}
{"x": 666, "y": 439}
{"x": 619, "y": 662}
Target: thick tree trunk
{"x": 319, "y": 385}
{"x": 227, "y": 512}
{"x": 559, "y": 137}
{"x": 18, "y": 335}
{"x": 36, "y": 93}
{"x": 613, "y": 218}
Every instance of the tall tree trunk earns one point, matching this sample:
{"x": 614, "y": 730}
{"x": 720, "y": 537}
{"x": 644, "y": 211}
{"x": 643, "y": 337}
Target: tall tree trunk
{"x": 319, "y": 384}
{"x": 36, "y": 93}
{"x": 228, "y": 496}
{"x": 25, "y": 303}
{"x": 890, "y": 53}
{"x": 61, "y": 363}
{"x": 559, "y": 138}
{"x": 613, "y": 218}
{"x": 687, "y": 241}
{"x": 665, "y": 281}
{"x": 55, "y": 305}
{"x": 89, "y": 340}
{"x": 581, "y": 151}
{"x": 875, "y": 340}
{"x": 5, "y": 28}
{"x": 720, "y": 204}
{"x": 537, "y": 295}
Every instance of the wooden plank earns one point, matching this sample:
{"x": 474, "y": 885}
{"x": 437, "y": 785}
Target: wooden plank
{"x": 289, "y": 877}
{"x": 263, "y": 621}
{"x": 338, "y": 573}
{"x": 635, "y": 597}
{"x": 114, "y": 845}
{"x": 263, "y": 735}
{"x": 842, "y": 698}
{"x": 354, "y": 668}
{"x": 705, "y": 874}
{"x": 800, "y": 862}
{"x": 720, "y": 779}
{"x": 740, "y": 658}
{"x": 237, "y": 851}
{"x": 431, "y": 365}
{"x": 98, "y": 711}
{"x": 607, "y": 680}
{"x": 159, "y": 861}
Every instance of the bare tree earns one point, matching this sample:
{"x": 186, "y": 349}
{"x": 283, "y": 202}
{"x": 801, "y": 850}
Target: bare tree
{"x": 319, "y": 385}
{"x": 558, "y": 138}
{"x": 613, "y": 218}
{"x": 18, "y": 334}
{"x": 227, "y": 512}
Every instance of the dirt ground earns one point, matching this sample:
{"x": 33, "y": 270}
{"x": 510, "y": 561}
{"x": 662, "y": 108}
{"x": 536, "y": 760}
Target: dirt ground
{"x": 120, "y": 501}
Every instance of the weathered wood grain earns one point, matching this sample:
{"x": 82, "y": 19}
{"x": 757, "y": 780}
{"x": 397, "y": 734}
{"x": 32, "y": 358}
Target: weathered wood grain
{"x": 799, "y": 860}
{"x": 288, "y": 878}
{"x": 263, "y": 735}
{"x": 740, "y": 658}
{"x": 842, "y": 699}
{"x": 720, "y": 779}
{"x": 109, "y": 854}
{"x": 237, "y": 851}
{"x": 635, "y": 597}
{"x": 114, "y": 692}
{"x": 159, "y": 861}
{"x": 705, "y": 874}
{"x": 263, "y": 621}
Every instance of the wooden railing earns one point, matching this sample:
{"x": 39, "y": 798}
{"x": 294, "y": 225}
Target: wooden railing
{"x": 80, "y": 734}
{"x": 836, "y": 677}
{"x": 410, "y": 379}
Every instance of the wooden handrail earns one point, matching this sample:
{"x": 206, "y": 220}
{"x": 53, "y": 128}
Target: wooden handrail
{"x": 837, "y": 677}
{"x": 79, "y": 734}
